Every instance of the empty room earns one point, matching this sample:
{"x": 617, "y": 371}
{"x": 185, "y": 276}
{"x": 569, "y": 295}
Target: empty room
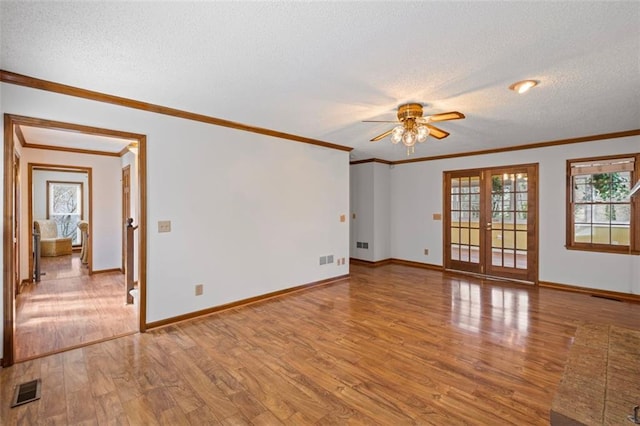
{"x": 292, "y": 213}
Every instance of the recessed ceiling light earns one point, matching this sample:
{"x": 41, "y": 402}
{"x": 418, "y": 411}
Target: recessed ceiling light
{"x": 523, "y": 86}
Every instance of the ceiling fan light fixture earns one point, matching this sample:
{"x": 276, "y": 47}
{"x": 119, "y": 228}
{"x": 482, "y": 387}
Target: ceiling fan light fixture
{"x": 411, "y": 126}
{"x": 423, "y": 132}
{"x": 396, "y": 135}
{"x": 523, "y": 86}
{"x": 409, "y": 138}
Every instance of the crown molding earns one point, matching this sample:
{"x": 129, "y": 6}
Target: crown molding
{"x": 50, "y": 86}
{"x": 603, "y": 136}
{"x": 371, "y": 160}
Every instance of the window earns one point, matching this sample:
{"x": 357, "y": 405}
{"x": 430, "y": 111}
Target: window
{"x": 64, "y": 206}
{"x": 600, "y": 214}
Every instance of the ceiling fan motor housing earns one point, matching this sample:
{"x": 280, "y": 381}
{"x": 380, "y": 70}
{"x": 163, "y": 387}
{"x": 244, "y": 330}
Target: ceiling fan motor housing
{"x": 407, "y": 111}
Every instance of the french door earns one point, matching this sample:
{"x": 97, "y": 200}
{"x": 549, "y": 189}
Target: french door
{"x": 490, "y": 224}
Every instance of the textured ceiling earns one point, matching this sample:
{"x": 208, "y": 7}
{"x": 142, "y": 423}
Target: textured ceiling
{"x": 317, "y": 69}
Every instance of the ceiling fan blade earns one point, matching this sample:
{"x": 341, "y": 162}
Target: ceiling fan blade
{"x": 436, "y": 132}
{"x": 382, "y": 136}
{"x": 380, "y": 121}
{"x": 453, "y": 115}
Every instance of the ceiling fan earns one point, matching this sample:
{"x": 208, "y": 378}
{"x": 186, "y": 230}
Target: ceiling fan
{"x": 413, "y": 127}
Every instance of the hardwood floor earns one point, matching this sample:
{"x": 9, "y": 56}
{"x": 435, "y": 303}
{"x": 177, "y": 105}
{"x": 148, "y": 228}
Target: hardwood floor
{"x": 392, "y": 345}
{"x": 69, "y": 308}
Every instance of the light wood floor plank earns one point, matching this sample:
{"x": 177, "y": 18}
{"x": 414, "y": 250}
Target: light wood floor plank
{"x": 69, "y": 308}
{"x": 391, "y": 345}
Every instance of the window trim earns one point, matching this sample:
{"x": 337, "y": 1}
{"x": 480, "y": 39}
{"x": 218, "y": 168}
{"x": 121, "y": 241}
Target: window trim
{"x": 634, "y": 225}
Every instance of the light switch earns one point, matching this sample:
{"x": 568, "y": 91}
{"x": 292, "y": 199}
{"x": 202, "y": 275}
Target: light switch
{"x": 437, "y": 216}
{"x": 164, "y": 226}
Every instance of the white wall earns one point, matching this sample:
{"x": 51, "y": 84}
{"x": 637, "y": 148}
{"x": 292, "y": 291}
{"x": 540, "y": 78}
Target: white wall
{"x": 382, "y": 209}
{"x": 362, "y": 195}
{"x": 416, "y": 193}
{"x": 105, "y": 227}
{"x": 370, "y": 195}
{"x": 250, "y": 214}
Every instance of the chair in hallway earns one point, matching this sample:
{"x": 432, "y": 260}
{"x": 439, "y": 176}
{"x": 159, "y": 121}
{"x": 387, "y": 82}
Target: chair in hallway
{"x": 50, "y": 243}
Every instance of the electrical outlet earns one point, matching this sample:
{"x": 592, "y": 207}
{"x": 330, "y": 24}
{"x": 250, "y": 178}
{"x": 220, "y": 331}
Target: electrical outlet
{"x": 199, "y": 289}
{"x": 426, "y": 252}
{"x": 342, "y": 218}
{"x": 164, "y": 226}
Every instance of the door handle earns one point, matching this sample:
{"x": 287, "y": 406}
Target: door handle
{"x": 488, "y": 226}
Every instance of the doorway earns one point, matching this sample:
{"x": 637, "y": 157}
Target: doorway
{"x": 61, "y": 194}
{"x": 490, "y": 225}
{"x": 16, "y": 142}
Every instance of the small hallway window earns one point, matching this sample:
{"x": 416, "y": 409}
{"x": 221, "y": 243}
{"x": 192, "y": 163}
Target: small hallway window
{"x": 64, "y": 206}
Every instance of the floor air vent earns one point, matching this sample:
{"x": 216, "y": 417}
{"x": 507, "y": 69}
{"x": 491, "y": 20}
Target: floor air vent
{"x": 26, "y": 392}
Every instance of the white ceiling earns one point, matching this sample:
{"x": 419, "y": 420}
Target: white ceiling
{"x": 317, "y": 69}
{"x": 67, "y": 139}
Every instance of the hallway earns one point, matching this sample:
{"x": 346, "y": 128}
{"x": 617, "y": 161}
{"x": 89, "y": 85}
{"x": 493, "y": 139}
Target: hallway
{"x": 68, "y": 308}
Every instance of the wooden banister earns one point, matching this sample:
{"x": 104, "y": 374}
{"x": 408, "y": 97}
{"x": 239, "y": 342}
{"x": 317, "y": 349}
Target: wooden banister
{"x": 128, "y": 268}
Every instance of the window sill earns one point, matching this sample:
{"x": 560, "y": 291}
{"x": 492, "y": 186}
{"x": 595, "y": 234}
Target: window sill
{"x": 604, "y": 249}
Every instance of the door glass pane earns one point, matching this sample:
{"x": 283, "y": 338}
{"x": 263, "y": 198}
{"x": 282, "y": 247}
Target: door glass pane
{"x": 496, "y": 239}
{"x": 521, "y": 201}
{"x": 522, "y": 182}
{"x": 521, "y": 259}
{"x": 521, "y": 240}
{"x": 475, "y": 236}
{"x": 455, "y": 184}
{"x": 474, "y": 254}
{"x": 508, "y": 238}
{"x": 455, "y": 235}
{"x": 464, "y": 236}
{"x": 464, "y": 253}
{"x": 455, "y": 202}
{"x": 455, "y": 252}
{"x": 496, "y": 257}
{"x": 474, "y": 181}
{"x": 509, "y": 259}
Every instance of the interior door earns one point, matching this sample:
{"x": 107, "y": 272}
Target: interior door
{"x": 126, "y": 209}
{"x": 462, "y": 219}
{"x": 16, "y": 222}
{"x": 491, "y": 221}
{"x": 510, "y": 219}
